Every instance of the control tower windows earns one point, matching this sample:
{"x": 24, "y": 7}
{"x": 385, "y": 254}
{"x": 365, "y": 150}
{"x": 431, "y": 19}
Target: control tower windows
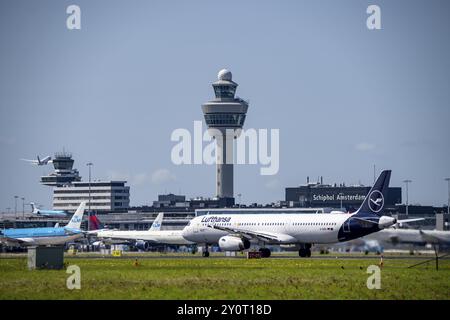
{"x": 225, "y": 119}
{"x": 224, "y": 91}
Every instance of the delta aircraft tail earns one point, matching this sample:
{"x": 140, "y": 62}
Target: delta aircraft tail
{"x": 95, "y": 223}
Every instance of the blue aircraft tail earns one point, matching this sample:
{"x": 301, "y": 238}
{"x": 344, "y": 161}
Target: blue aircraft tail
{"x": 376, "y": 198}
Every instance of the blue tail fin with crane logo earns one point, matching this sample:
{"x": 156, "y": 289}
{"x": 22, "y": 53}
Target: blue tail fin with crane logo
{"x": 375, "y": 199}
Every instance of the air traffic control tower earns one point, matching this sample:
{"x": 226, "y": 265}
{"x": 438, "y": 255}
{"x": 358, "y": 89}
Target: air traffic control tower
{"x": 225, "y": 116}
{"x": 64, "y": 173}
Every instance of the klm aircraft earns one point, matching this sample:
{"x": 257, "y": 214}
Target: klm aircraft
{"x": 47, "y": 213}
{"x": 45, "y": 236}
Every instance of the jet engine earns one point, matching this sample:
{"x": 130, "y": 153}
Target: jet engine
{"x": 232, "y": 243}
{"x": 386, "y": 222}
{"x": 142, "y": 245}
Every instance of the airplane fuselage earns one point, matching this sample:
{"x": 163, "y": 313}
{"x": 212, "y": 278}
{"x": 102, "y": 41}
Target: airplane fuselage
{"x": 289, "y": 228}
{"x": 164, "y": 236}
{"x": 51, "y": 213}
{"x": 39, "y": 236}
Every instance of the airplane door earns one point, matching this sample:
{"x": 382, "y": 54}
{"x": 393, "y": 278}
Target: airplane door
{"x": 288, "y": 227}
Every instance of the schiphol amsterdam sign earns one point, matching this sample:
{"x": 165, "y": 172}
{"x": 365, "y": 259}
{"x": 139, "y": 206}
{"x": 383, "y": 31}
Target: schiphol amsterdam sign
{"x": 337, "y": 197}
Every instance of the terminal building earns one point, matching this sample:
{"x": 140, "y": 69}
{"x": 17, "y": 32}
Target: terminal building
{"x": 105, "y": 196}
{"x": 336, "y": 196}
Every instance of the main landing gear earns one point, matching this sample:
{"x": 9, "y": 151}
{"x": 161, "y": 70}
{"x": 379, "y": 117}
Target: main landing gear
{"x": 305, "y": 251}
{"x": 265, "y": 253}
{"x": 205, "y": 252}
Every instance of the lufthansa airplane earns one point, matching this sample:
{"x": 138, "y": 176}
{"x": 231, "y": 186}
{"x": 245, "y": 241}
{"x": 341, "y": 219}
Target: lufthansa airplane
{"x": 236, "y": 232}
{"x": 143, "y": 239}
{"x": 45, "y": 236}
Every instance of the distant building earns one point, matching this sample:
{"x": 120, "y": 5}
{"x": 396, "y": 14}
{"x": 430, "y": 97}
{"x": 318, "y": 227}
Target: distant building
{"x": 64, "y": 172}
{"x": 106, "y": 196}
{"x": 325, "y": 195}
{"x": 170, "y": 200}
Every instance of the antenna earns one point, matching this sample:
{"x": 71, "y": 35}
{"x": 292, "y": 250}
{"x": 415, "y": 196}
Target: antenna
{"x": 374, "y": 174}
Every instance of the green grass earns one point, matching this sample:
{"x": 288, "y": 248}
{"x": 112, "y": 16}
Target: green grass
{"x": 226, "y": 278}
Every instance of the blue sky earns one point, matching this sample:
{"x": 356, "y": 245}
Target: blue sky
{"x": 343, "y": 97}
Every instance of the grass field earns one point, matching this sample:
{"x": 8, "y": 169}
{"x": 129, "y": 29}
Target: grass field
{"x": 226, "y": 278}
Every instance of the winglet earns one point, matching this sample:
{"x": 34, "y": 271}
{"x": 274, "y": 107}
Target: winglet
{"x": 156, "y": 225}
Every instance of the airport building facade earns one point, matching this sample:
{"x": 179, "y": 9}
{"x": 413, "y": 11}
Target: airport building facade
{"x": 105, "y": 196}
{"x": 336, "y": 196}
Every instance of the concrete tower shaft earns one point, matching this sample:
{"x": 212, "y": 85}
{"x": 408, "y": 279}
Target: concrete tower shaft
{"x": 225, "y": 117}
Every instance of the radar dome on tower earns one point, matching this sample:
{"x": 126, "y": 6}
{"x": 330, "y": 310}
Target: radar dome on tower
{"x": 224, "y": 75}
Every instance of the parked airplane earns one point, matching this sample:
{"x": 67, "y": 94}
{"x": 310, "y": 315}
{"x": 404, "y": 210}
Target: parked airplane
{"x": 143, "y": 239}
{"x": 45, "y": 236}
{"x": 40, "y": 162}
{"x": 410, "y": 236}
{"x": 47, "y": 213}
{"x": 236, "y": 232}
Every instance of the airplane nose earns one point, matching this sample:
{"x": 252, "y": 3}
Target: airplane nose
{"x": 186, "y": 233}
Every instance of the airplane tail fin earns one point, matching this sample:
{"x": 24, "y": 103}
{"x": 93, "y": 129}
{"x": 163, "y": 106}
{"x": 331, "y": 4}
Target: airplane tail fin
{"x": 375, "y": 199}
{"x": 156, "y": 225}
{"x": 39, "y": 160}
{"x": 75, "y": 222}
{"x": 95, "y": 223}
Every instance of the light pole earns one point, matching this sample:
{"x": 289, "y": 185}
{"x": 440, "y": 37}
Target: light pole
{"x": 448, "y": 199}
{"x": 407, "y": 202}
{"x": 15, "y": 206}
{"x": 89, "y": 164}
{"x": 23, "y": 207}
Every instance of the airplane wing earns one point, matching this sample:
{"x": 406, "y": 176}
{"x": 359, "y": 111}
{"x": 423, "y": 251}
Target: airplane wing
{"x": 432, "y": 238}
{"x": 95, "y": 232}
{"x": 398, "y": 221}
{"x": 126, "y": 240}
{"x": 263, "y": 236}
{"x": 15, "y": 242}
{"x": 71, "y": 231}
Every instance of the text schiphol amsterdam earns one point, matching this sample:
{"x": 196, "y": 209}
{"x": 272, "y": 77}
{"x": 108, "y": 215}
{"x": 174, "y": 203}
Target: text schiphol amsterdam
{"x": 332, "y": 197}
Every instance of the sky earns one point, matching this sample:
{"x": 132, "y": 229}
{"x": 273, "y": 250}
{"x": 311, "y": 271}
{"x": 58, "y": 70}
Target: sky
{"x": 344, "y": 98}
